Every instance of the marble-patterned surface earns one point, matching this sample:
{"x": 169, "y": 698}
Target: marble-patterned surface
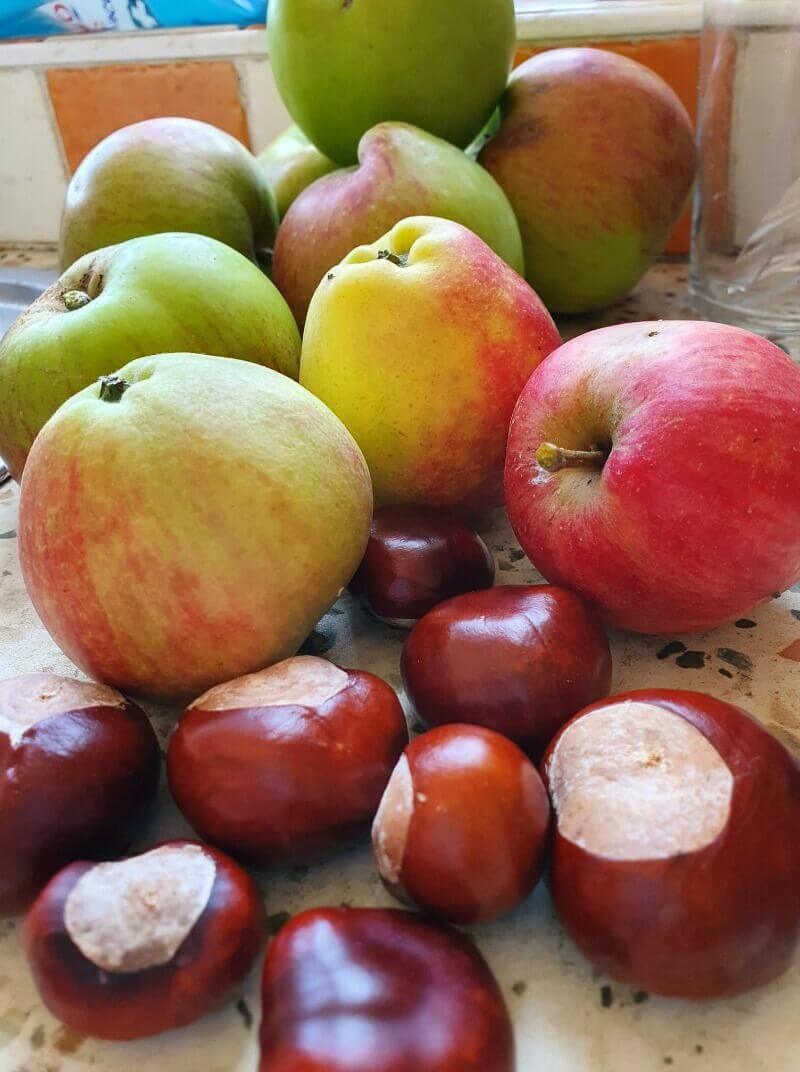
{"x": 567, "y": 1018}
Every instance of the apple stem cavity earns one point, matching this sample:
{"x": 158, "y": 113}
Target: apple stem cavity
{"x": 552, "y": 458}
{"x": 75, "y": 299}
{"x": 112, "y": 388}
{"x": 400, "y": 259}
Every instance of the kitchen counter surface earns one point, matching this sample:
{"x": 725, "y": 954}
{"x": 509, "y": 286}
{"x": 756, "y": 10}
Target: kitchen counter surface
{"x": 567, "y": 1018}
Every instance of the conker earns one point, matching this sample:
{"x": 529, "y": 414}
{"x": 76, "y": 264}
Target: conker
{"x": 462, "y": 828}
{"x": 134, "y": 947}
{"x": 376, "y": 990}
{"x": 79, "y": 765}
{"x": 518, "y": 659}
{"x": 287, "y": 763}
{"x": 676, "y": 856}
{"x": 417, "y": 557}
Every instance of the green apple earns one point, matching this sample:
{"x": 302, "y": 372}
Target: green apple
{"x": 403, "y": 171}
{"x": 290, "y": 163}
{"x": 168, "y": 174}
{"x": 189, "y": 520}
{"x": 158, "y": 293}
{"x": 344, "y": 65}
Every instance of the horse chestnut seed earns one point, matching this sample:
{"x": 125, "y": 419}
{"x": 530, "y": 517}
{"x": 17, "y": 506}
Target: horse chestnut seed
{"x": 134, "y": 947}
{"x": 676, "y": 857}
{"x": 79, "y": 766}
{"x": 287, "y": 763}
{"x": 377, "y": 990}
{"x": 462, "y": 828}
{"x": 415, "y": 558}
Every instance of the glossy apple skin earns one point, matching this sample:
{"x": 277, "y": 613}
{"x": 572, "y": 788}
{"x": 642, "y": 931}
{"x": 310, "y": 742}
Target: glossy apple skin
{"x": 402, "y": 171}
{"x": 429, "y": 407}
{"x": 290, "y": 782}
{"x": 155, "y": 294}
{"x": 209, "y": 966}
{"x": 416, "y": 558}
{"x": 475, "y": 846}
{"x": 290, "y": 163}
{"x": 168, "y": 174}
{"x": 704, "y": 924}
{"x": 622, "y": 145}
{"x": 75, "y": 785}
{"x": 518, "y": 659}
{"x": 693, "y": 518}
{"x": 167, "y": 594}
{"x": 377, "y": 990}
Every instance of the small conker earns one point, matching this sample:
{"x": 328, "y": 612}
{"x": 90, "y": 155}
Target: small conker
{"x": 377, "y": 990}
{"x": 518, "y": 659}
{"x": 461, "y": 831}
{"x": 79, "y": 766}
{"x": 417, "y": 557}
{"x": 287, "y": 763}
{"x": 134, "y": 947}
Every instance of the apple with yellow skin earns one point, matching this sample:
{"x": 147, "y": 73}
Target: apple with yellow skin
{"x": 421, "y": 344}
{"x": 402, "y": 172}
{"x": 169, "y": 174}
{"x": 290, "y": 164}
{"x": 164, "y": 292}
{"x": 596, "y": 155}
{"x": 189, "y": 520}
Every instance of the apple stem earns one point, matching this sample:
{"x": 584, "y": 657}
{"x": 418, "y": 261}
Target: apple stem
{"x": 112, "y": 388}
{"x": 400, "y": 259}
{"x": 75, "y": 299}
{"x": 553, "y": 458}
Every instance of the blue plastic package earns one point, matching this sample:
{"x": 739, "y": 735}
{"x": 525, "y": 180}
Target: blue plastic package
{"x": 27, "y": 18}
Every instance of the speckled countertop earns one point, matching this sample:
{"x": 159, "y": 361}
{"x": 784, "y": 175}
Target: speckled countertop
{"x": 567, "y": 1018}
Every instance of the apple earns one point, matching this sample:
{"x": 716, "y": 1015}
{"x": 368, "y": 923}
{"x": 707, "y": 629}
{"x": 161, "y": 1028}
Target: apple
{"x": 165, "y": 292}
{"x": 421, "y": 344}
{"x": 653, "y": 469}
{"x": 189, "y": 520}
{"x": 676, "y": 855}
{"x": 596, "y": 154}
{"x": 168, "y": 174}
{"x": 402, "y": 172}
{"x": 290, "y": 163}
{"x": 343, "y": 66}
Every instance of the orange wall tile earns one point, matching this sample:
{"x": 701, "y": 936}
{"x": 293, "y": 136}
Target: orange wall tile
{"x": 91, "y": 102}
{"x": 677, "y": 60}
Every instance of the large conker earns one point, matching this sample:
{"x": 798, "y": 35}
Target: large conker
{"x": 287, "y": 763}
{"x": 79, "y": 765}
{"x": 462, "y": 828}
{"x": 518, "y": 659}
{"x": 377, "y": 990}
{"x": 676, "y": 856}
{"x": 134, "y": 947}
{"x": 417, "y": 557}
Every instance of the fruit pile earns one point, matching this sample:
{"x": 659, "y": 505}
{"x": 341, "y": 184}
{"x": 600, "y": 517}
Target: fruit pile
{"x": 199, "y": 483}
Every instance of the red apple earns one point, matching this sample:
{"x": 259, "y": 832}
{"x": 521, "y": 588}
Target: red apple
{"x": 462, "y": 826}
{"x": 375, "y": 990}
{"x": 287, "y": 763}
{"x": 653, "y": 469}
{"x": 519, "y": 659}
{"x": 131, "y": 948}
{"x": 416, "y": 558}
{"x": 676, "y": 858}
{"x": 79, "y": 767}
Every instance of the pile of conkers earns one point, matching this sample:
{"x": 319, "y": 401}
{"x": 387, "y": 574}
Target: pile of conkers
{"x": 671, "y": 822}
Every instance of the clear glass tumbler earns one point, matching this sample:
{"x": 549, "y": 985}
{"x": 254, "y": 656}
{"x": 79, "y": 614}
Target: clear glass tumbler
{"x": 745, "y": 266}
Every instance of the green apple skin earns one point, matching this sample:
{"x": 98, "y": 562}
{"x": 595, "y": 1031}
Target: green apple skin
{"x": 290, "y": 163}
{"x": 344, "y": 65}
{"x": 402, "y": 172}
{"x": 194, "y": 529}
{"x": 596, "y": 154}
{"x": 421, "y": 343}
{"x": 168, "y": 174}
{"x": 159, "y": 293}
